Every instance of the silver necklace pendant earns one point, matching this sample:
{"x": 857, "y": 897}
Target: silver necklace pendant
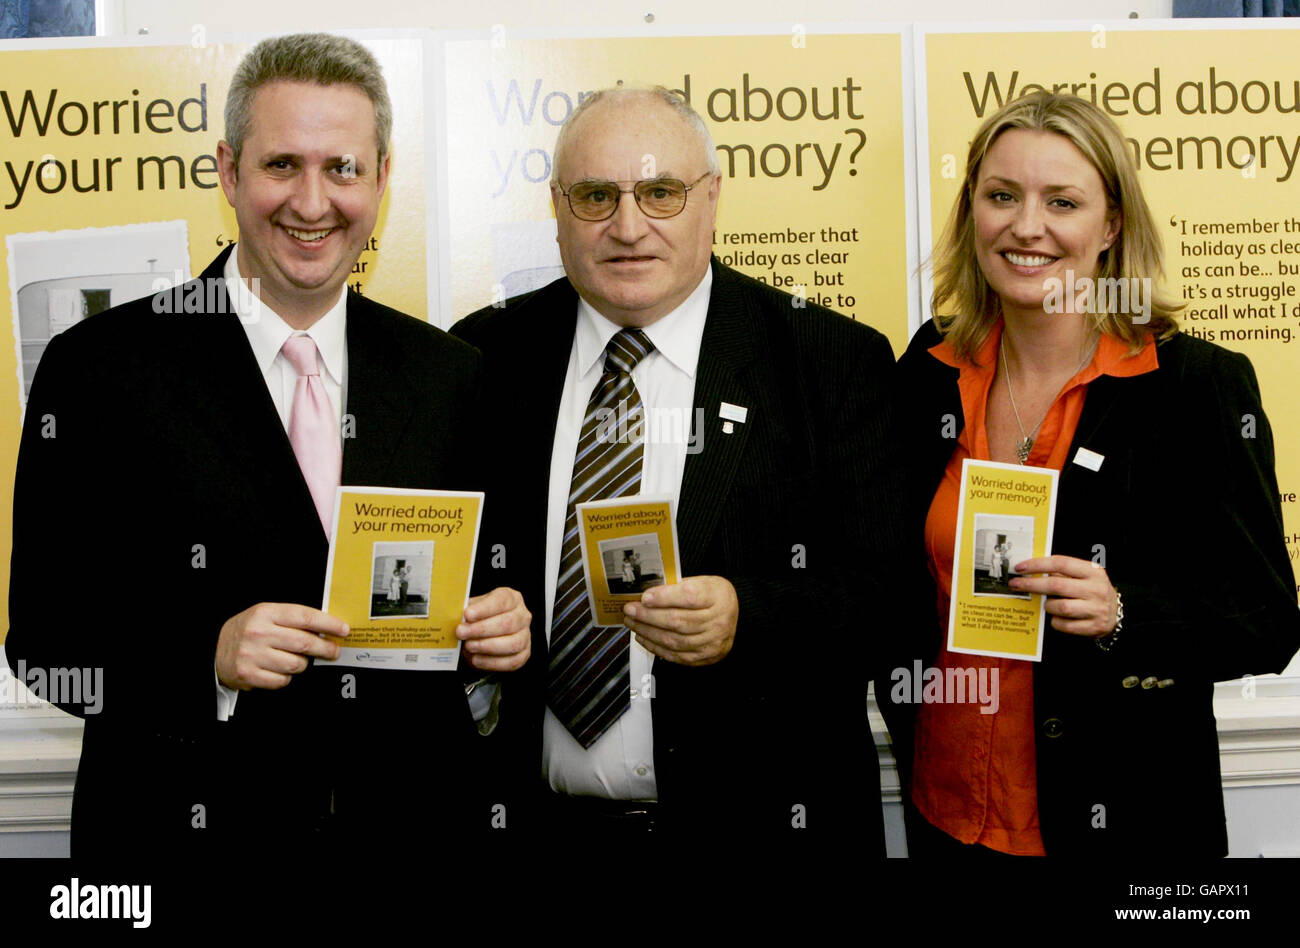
{"x": 1023, "y": 447}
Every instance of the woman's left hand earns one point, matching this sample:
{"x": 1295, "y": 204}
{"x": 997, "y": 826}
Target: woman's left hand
{"x": 1080, "y": 598}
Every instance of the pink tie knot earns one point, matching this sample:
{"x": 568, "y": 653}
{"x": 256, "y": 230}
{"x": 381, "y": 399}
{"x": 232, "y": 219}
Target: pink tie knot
{"x": 302, "y": 354}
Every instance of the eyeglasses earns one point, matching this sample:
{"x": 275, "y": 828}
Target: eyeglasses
{"x": 657, "y": 197}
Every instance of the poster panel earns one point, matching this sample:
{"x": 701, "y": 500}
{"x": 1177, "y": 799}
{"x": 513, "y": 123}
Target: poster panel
{"x": 1211, "y": 111}
{"x": 813, "y": 138}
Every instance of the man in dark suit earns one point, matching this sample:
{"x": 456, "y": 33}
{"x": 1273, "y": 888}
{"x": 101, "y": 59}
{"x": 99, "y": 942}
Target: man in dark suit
{"x": 734, "y": 700}
{"x": 187, "y": 448}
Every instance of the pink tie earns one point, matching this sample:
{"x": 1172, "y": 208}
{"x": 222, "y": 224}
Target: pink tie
{"x": 314, "y": 428}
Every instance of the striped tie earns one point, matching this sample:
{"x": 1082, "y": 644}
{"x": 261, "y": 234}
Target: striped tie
{"x": 588, "y": 680}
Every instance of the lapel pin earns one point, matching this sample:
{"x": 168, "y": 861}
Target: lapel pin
{"x": 727, "y": 427}
{"x": 1089, "y": 459}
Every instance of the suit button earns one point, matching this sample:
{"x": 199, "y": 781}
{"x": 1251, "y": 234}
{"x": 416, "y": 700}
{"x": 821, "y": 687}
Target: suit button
{"x": 1149, "y": 682}
{"x": 1053, "y": 727}
{"x": 1130, "y": 682}
{"x": 1165, "y": 683}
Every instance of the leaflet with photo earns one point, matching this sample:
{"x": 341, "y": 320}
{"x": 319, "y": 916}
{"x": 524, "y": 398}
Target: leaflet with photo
{"x": 399, "y": 574}
{"x": 628, "y": 545}
{"x": 1005, "y": 515}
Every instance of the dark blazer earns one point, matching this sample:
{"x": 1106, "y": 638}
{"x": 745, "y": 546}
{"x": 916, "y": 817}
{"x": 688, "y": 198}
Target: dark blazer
{"x": 798, "y": 508}
{"x": 168, "y": 500}
{"x": 1185, "y": 512}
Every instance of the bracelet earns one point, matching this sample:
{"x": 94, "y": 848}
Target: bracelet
{"x": 1107, "y": 641}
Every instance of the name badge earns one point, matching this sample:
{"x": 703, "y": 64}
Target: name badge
{"x": 1089, "y": 459}
{"x": 729, "y": 412}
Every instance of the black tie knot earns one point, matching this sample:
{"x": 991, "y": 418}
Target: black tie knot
{"x": 626, "y": 349}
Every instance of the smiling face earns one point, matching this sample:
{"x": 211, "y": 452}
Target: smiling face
{"x": 634, "y": 269}
{"x": 1039, "y": 210}
{"x": 306, "y": 193}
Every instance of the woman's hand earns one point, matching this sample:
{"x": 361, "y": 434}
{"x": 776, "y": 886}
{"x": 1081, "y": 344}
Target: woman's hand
{"x": 1080, "y": 598}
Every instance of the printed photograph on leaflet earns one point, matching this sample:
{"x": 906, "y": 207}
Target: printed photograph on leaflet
{"x": 632, "y": 565}
{"x": 402, "y": 572}
{"x": 629, "y": 544}
{"x": 400, "y": 566}
{"x": 1005, "y": 516}
{"x": 1000, "y": 541}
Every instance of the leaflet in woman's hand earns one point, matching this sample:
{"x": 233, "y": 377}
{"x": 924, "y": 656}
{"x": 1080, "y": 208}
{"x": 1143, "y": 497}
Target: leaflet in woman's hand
{"x": 1005, "y": 516}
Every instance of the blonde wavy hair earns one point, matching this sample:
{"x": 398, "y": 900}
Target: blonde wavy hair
{"x": 959, "y": 284}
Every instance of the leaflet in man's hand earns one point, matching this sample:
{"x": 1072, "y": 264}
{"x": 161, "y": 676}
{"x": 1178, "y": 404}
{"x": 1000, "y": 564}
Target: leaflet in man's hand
{"x": 399, "y": 574}
{"x": 628, "y": 545}
{"x": 1005, "y": 516}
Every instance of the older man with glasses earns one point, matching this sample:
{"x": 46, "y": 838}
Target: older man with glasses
{"x": 734, "y": 700}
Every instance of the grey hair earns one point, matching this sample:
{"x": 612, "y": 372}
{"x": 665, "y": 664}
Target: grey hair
{"x": 668, "y": 97}
{"x": 306, "y": 57}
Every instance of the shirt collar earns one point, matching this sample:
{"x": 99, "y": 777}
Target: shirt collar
{"x": 1110, "y": 358}
{"x": 676, "y": 336}
{"x": 267, "y": 331}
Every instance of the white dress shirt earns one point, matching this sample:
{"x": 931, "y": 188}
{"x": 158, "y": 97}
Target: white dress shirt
{"x": 620, "y": 765}
{"x": 266, "y": 335}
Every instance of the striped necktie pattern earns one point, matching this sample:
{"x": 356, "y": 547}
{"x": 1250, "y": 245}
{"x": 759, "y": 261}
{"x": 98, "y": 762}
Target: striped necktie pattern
{"x": 588, "y": 681}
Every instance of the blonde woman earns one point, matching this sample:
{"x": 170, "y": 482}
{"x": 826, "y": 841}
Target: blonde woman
{"x": 1108, "y": 745}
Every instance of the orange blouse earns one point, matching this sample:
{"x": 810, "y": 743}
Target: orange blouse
{"x": 974, "y": 774}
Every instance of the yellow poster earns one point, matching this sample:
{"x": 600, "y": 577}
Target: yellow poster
{"x": 1211, "y": 114}
{"x": 1005, "y": 515}
{"x": 628, "y": 546}
{"x": 813, "y": 139}
{"x": 109, "y": 192}
{"x": 400, "y": 566}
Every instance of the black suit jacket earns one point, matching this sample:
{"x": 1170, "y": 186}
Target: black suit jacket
{"x": 168, "y": 500}
{"x": 798, "y": 508}
{"x": 1185, "y": 512}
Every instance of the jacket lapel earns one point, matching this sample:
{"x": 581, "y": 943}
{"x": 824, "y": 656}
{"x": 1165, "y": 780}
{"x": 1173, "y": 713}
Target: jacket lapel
{"x": 376, "y": 415}
{"x": 1101, "y": 400}
{"x": 543, "y": 355}
{"x": 726, "y": 351}
{"x": 223, "y": 376}
{"x": 548, "y": 344}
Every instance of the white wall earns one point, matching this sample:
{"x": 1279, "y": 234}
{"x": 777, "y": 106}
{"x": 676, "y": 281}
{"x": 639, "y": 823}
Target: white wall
{"x": 160, "y": 17}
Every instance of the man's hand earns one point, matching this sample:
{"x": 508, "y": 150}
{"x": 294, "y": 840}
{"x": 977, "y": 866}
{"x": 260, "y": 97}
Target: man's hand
{"x": 691, "y": 623}
{"x": 1080, "y": 598}
{"x": 494, "y": 632}
{"x": 267, "y": 644}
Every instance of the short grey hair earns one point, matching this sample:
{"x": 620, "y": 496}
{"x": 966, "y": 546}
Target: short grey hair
{"x": 617, "y": 93}
{"x": 306, "y": 57}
